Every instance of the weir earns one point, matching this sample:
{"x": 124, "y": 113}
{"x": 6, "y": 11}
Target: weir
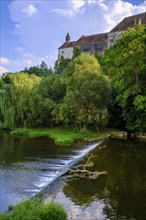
{"x": 71, "y": 162}
{"x": 31, "y": 166}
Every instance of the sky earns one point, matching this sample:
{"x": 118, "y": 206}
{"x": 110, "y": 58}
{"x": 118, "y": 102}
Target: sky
{"x": 32, "y": 30}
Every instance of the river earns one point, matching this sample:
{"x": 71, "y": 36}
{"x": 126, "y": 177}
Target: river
{"x": 29, "y": 165}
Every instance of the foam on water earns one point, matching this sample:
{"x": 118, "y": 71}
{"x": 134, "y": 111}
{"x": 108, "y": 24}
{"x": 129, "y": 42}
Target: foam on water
{"x": 62, "y": 165}
{"x": 24, "y": 179}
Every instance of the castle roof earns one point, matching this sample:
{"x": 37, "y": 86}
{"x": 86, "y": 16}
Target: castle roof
{"x": 91, "y": 38}
{"x": 85, "y": 39}
{"x": 127, "y": 22}
{"x": 67, "y": 45}
{"x": 130, "y": 21}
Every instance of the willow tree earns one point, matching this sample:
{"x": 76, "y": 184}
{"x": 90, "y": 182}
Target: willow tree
{"x": 15, "y": 95}
{"x": 6, "y": 110}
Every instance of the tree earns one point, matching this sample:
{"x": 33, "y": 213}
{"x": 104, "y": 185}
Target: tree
{"x": 43, "y": 65}
{"x": 60, "y": 65}
{"x": 88, "y": 94}
{"x": 76, "y": 52}
{"x": 45, "y": 100}
{"x": 41, "y": 70}
{"x": 15, "y": 92}
{"x": 125, "y": 63}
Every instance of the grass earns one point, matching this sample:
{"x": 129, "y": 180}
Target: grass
{"x": 61, "y": 135}
{"x": 35, "y": 210}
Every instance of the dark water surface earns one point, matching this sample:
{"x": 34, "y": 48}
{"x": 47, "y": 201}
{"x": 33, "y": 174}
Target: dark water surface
{"x": 119, "y": 195}
{"x": 27, "y": 166}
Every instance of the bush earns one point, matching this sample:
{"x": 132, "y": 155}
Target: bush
{"x": 35, "y": 210}
{"x": 10, "y": 207}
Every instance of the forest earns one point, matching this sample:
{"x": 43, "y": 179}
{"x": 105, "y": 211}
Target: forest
{"x": 87, "y": 91}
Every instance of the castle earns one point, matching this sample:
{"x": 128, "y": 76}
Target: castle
{"x": 97, "y": 43}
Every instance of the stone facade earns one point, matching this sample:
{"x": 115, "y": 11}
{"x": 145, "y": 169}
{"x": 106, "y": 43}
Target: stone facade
{"x": 92, "y": 44}
{"x": 97, "y": 43}
{"x": 127, "y": 22}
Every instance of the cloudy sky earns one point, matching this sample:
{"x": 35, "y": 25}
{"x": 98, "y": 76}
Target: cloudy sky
{"x": 32, "y": 30}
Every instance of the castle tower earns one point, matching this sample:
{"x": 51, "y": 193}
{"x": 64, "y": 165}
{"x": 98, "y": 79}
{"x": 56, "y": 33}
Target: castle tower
{"x": 67, "y": 38}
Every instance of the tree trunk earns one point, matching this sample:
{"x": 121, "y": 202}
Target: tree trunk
{"x": 129, "y": 135}
{"x": 96, "y": 126}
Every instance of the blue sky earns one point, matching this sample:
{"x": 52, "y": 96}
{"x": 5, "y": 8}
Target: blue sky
{"x": 32, "y": 31}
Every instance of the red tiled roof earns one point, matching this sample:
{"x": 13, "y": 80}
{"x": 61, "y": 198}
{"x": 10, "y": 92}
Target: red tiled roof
{"x": 67, "y": 45}
{"x": 129, "y": 22}
{"x": 91, "y": 38}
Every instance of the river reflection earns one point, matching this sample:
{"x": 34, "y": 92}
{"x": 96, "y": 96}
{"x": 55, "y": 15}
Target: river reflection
{"x": 29, "y": 165}
{"x": 119, "y": 195}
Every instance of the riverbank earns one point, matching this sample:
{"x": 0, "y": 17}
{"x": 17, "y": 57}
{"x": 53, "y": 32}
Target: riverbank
{"x": 63, "y": 136}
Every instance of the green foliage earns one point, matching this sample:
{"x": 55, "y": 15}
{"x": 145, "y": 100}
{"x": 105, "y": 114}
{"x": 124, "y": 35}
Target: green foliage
{"x": 61, "y": 135}
{"x": 125, "y": 64}
{"x": 34, "y": 210}
{"x": 87, "y": 96}
{"x": 41, "y": 70}
{"x": 60, "y": 65}
{"x": 14, "y": 98}
{"x": 10, "y": 207}
{"x": 45, "y": 100}
{"x": 76, "y": 52}
{"x": 85, "y": 64}
{"x": 43, "y": 66}
{"x": 78, "y": 95}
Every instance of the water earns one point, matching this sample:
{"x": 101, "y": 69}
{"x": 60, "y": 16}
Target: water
{"x": 119, "y": 195}
{"x": 27, "y": 166}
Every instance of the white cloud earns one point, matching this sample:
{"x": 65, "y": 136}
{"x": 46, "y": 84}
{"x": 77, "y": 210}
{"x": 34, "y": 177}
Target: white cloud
{"x": 77, "y": 5}
{"x": 4, "y": 61}
{"x": 30, "y": 10}
{"x": 45, "y": 33}
{"x": 107, "y": 12}
{"x": 3, "y": 70}
{"x": 27, "y": 60}
{"x": 117, "y": 10}
{"x": 91, "y": 1}
{"x": 103, "y": 6}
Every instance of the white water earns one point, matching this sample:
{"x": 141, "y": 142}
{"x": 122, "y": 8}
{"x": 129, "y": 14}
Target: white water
{"x": 59, "y": 168}
{"x": 22, "y": 180}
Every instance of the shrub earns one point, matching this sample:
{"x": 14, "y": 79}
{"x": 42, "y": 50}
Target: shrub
{"x": 10, "y": 207}
{"x": 53, "y": 211}
{"x": 35, "y": 210}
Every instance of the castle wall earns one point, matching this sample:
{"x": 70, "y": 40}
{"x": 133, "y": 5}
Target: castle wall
{"x": 112, "y": 37}
{"x": 67, "y": 53}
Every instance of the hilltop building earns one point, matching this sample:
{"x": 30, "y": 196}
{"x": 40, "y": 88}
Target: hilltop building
{"x": 127, "y": 22}
{"x": 93, "y": 43}
{"x": 66, "y": 50}
{"x": 97, "y": 43}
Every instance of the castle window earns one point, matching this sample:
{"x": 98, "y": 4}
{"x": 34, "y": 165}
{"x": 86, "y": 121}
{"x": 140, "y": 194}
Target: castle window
{"x": 62, "y": 52}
